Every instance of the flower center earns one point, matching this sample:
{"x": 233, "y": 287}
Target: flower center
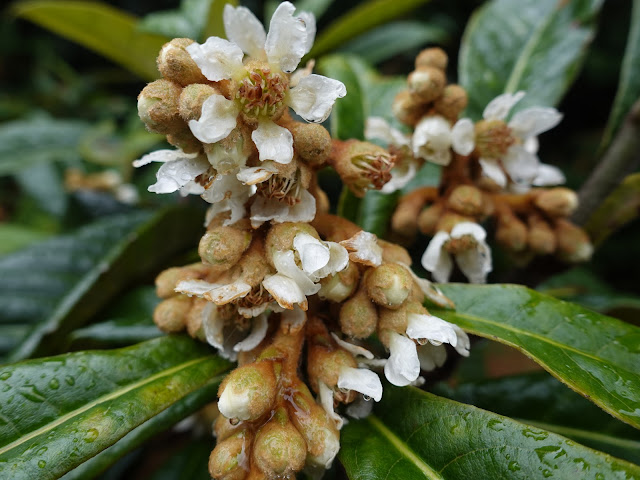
{"x": 261, "y": 92}
{"x": 282, "y": 188}
{"x": 375, "y": 169}
{"x": 461, "y": 244}
{"x": 493, "y": 138}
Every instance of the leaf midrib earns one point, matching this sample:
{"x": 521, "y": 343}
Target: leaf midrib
{"x": 105, "y": 398}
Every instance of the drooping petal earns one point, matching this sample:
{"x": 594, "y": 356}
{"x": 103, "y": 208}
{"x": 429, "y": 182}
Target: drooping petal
{"x": 469, "y": 228}
{"x": 531, "y": 144}
{"x": 217, "y": 120}
{"x": 363, "y": 248}
{"x": 255, "y": 175}
{"x": 401, "y": 175}
{"x": 361, "y": 380}
{"x": 403, "y": 366}
{"x": 175, "y": 174}
{"x": 310, "y": 23}
{"x": 377, "y": 128}
{"x": 162, "y": 156}
{"x": 265, "y": 209}
{"x": 285, "y": 291}
{"x": 191, "y": 188}
{"x": 227, "y": 187}
{"x": 492, "y": 169}
{"x": 476, "y": 263}
{"x": 227, "y": 293}
{"x": 314, "y": 96}
{"x": 326, "y": 400}
{"x": 431, "y": 328}
{"x": 463, "y": 345}
{"x": 273, "y": 142}
{"x": 521, "y": 165}
{"x": 285, "y": 264}
{"x": 548, "y": 175}
{"x": 463, "y": 136}
{"x": 531, "y": 122}
{"x": 245, "y": 30}
{"x": 431, "y": 356}
{"x": 355, "y": 350}
{"x": 314, "y": 254}
{"x": 432, "y": 140}
{"x": 294, "y": 319}
{"x": 338, "y": 260}
{"x": 213, "y": 327}
{"x": 258, "y": 332}
{"x": 436, "y": 259}
{"x": 217, "y": 58}
{"x": 499, "y": 107}
{"x": 195, "y": 287}
{"x": 286, "y": 41}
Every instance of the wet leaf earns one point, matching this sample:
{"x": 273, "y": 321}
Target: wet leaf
{"x": 595, "y": 355}
{"x": 532, "y": 45}
{"x": 104, "y": 29}
{"x": 414, "y": 434}
{"x": 59, "y": 284}
{"x": 14, "y": 237}
{"x": 189, "y": 462}
{"x": 60, "y": 411}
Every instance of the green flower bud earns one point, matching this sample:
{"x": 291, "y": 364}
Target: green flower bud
{"x": 221, "y": 247}
{"x": 358, "y": 315}
{"x": 337, "y": 288}
{"x": 248, "y": 392}
{"x": 279, "y": 450}
{"x": 171, "y": 314}
{"x": 158, "y": 106}
{"x": 389, "y": 285}
{"x": 228, "y": 461}
{"x": 175, "y": 63}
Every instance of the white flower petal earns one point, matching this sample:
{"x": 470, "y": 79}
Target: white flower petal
{"x": 432, "y": 140}
{"x": 521, "y": 165}
{"x": 162, "y": 156}
{"x": 377, "y": 128}
{"x": 250, "y": 312}
{"x": 263, "y": 210}
{"x": 436, "y": 259}
{"x": 217, "y": 58}
{"x": 430, "y": 291}
{"x": 273, "y": 142}
{"x": 463, "y": 136}
{"x": 233, "y": 205}
{"x": 492, "y": 169}
{"x": 314, "y": 254}
{"x": 469, "y": 228}
{"x": 499, "y": 107}
{"x": 431, "y": 328}
{"x": 285, "y": 263}
{"x": 254, "y": 175}
{"x": 531, "y": 145}
{"x": 244, "y": 29}
{"x": 361, "y": 380}
{"x": 533, "y": 121}
{"x": 195, "y": 287}
{"x": 175, "y": 174}
{"x": 326, "y": 400}
{"x": 431, "y": 356}
{"x": 227, "y": 187}
{"x": 310, "y": 23}
{"x": 338, "y": 260}
{"x": 363, "y": 248}
{"x": 548, "y": 175}
{"x": 403, "y": 366}
{"x": 217, "y": 120}
{"x": 475, "y": 263}
{"x": 355, "y": 350}
{"x": 213, "y": 327}
{"x": 191, "y": 188}
{"x": 227, "y": 293}
{"x": 258, "y": 332}
{"x": 464, "y": 344}
{"x": 294, "y": 319}
{"x": 314, "y": 96}
{"x": 225, "y": 159}
{"x": 286, "y": 41}
{"x": 401, "y": 175}
{"x": 235, "y": 403}
{"x": 285, "y": 291}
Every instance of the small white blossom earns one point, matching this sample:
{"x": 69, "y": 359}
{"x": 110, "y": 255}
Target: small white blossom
{"x": 361, "y": 380}
{"x": 177, "y": 172}
{"x": 403, "y": 366}
{"x": 433, "y": 139}
{"x": 432, "y": 356}
{"x": 271, "y": 209}
{"x": 363, "y": 248}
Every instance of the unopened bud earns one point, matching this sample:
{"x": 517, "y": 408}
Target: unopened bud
{"x": 170, "y": 315}
{"x": 194, "y": 319}
{"x": 426, "y": 83}
{"x": 449, "y": 219}
{"x": 228, "y": 461}
{"x": 542, "y": 239}
{"x": 311, "y": 142}
{"x": 392, "y": 253}
{"x": 512, "y": 233}
{"x": 158, "y": 106}
{"x": 279, "y": 450}
{"x": 168, "y": 279}
{"x": 192, "y": 98}
{"x": 340, "y": 286}
{"x": 362, "y": 166}
{"x": 493, "y": 138}
{"x": 452, "y": 102}
{"x": 429, "y": 218}
{"x": 407, "y": 109}
{"x": 389, "y": 285}
{"x": 397, "y": 320}
{"x": 358, "y": 315}
{"x": 185, "y": 140}
{"x": 248, "y": 392}
{"x": 557, "y": 202}
{"x": 574, "y": 245}
{"x": 432, "y": 57}
{"x": 224, "y": 427}
{"x": 221, "y": 247}
{"x": 175, "y": 63}
{"x": 280, "y": 237}
{"x": 466, "y": 200}
{"x": 324, "y": 363}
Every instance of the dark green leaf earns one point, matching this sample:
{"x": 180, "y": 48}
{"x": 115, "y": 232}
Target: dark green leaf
{"x": 393, "y": 39}
{"x": 43, "y": 182}
{"x": 99, "y": 27}
{"x": 189, "y": 462}
{"x": 60, "y": 411}
{"x": 414, "y": 434}
{"x": 186, "y": 22}
{"x": 14, "y": 237}
{"x": 360, "y": 19}
{"x": 542, "y": 401}
{"x": 532, "y": 45}
{"x": 375, "y": 211}
{"x": 629, "y": 84}
{"x": 595, "y": 355}
{"x": 24, "y": 143}
{"x": 61, "y": 283}
{"x": 349, "y": 205}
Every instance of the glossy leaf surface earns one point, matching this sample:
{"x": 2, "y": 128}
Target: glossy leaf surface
{"x": 417, "y": 435}
{"x": 532, "y": 45}
{"x": 60, "y": 411}
{"x": 595, "y": 355}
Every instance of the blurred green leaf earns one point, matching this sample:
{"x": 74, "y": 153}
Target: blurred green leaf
{"x": 215, "y": 26}
{"x": 542, "y": 401}
{"x": 375, "y": 211}
{"x": 629, "y": 83}
{"x": 24, "y": 143}
{"x": 317, "y": 7}
{"x": 73, "y": 406}
{"x": 194, "y": 19}
{"x": 99, "y": 27}
{"x": 414, "y": 434}
{"x": 189, "y": 462}
{"x": 43, "y": 182}
{"x": 532, "y": 45}
{"x": 393, "y": 39}
{"x": 360, "y": 19}
{"x": 60, "y": 284}
{"x": 14, "y": 237}
{"x": 619, "y": 208}
{"x": 595, "y": 355}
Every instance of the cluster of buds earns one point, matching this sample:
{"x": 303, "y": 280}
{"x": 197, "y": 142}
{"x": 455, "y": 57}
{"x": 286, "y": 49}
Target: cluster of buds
{"x": 490, "y": 169}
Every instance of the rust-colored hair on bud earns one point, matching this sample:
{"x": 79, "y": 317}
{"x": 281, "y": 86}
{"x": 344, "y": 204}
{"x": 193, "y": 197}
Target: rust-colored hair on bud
{"x": 280, "y": 237}
{"x": 557, "y": 202}
{"x": 388, "y": 285}
{"x": 194, "y": 319}
{"x": 228, "y": 461}
{"x": 168, "y": 279}
{"x": 325, "y": 360}
{"x": 397, "y": 320}
{"x": 432, "y": 57}
{"x": 429, "y": 218}
{"x": 511, "y": 233}
{"x": 191, "y": 99}
{"x": 170, "y": 315}
{"x": 175, "y": 63}
{"x": 426, "y": 83}
{"x": 358, "y": 315}
{"x": 394, "y": 253}
{"x": 221, "y": 247}
{"x": 312, "y": 142}
{"x": 362, "y": 166}
{"x": 407, "y": 109}
{"x": 249, "y": 391}
{"x": 542, "y": 239}
{"x": 466, "y": 200}
{"x": 158, "y": 106}
{"x": 452, "y": 102}
{"x": 185, "y": 140}
{"x": 574, "y": 245}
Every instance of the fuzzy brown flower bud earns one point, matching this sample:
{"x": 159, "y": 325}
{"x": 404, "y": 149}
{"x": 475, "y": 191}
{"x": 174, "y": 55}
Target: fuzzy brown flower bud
{"x": 191, "y": 99}
{"x": 426, "y": 83}
{"x": 228, "y": 460}
{"x": 358, "y": 315}
{"x": 574, "y": 245}
{"x": 194, "y": 319}
{"x": 389, "y": 285}
{"x": 541, "y": 239}
{"x": 511, "y": 233}
{"x": 279, "y": 450}
{"x": 432, "y": 57}
{"x": 429, "y": 218}
{"x": 170, "y": 315}
{"x": 311, "y": 142}
{"x": 185, "y": 140}
{"x": 248, "y": 392}
{"x": 158, "y": 106}
{"x": 466, "y": 200}
{"x": 452, "y": 102}
{"x": 175, "y": 63}
{"x": 557, "y": 202}
{"x": 168, "y": 279}
{"x": 221, "y": 247}
{"x": 407, "y": 109}
{"x": 362, "y": 166}
{"x": 340, "y": 286}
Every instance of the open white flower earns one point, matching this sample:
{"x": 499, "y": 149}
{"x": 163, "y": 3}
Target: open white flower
{"x": 403, "y": 366}
{"x": 432, "y": 356}
{"x": 473, "y": 255}
{"x": 227, "y": 194}
{"x": 261, "y": 88}
{"x": 271, "y": 209}
{"x": 178, "y": 171}
{"x": 434, "y": 137}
